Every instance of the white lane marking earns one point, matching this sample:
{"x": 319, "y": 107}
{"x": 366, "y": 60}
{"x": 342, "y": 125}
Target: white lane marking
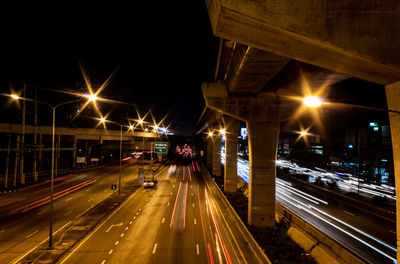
{"x": 122, "y": 234}
{"x": 130, "y": 222}
{"x": 155, "y": 247}
{"x": 193, "y": 205}
{"x": 116, "y": 243}
{"x": 126, "y": 228}
{"x": 163, "y": 220}
{"x": 2, "y": 231}
{"x": 134, "y": 217}
{"x": 109, "y": 253}
{"x": 140, "y": 209}
{"x": 68, "y": 199}
{"x": 104, "y": 261}
{"x": 168, "y": 204}
{"x": 391, "y": 231}
{"x": 28, "y": 236}
{"x": 111, "y": 226}
{"x": 191, "y": 186}
{"x": 137, "y": 213}
{"x": 349, "y": 213}
{"x": 173, "y": 186}
{"x": 144, "y": 191}
{"x": 197, "y": 248}
{"x": 195, "y": 221}
{"x": 171, "y": 194}
{"x": 90, "y": 199}
{"x": 68, "y": 213}
{"x": 41, "y": 212}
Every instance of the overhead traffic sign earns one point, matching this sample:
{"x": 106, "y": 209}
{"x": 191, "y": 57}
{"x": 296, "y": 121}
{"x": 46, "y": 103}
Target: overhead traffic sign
{"x": 160, "y": 147}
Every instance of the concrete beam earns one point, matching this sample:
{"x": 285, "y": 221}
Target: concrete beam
{"x": 342, "y": 36}
{"x": 80, "y": 133}
{"x": 241, "y": 108}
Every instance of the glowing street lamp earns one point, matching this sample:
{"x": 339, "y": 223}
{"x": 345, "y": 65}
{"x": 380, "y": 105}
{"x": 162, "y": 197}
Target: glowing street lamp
{"x": 53, "y": 107}
{"x": 312, "y": 101}
{"x": 131, "y": 127}
{"x": 303, "y": 133}
{"x": 222, "y": 131}
{"x": 14, "y": 96}
{"x": 140, "y": 121}
{"x": 210, "y": 134}
{"x": 91, "y": 97}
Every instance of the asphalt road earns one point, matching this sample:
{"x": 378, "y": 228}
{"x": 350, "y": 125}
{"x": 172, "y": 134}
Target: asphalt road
{"x": 182, "y": 220}
{"x": 24, "y": 216}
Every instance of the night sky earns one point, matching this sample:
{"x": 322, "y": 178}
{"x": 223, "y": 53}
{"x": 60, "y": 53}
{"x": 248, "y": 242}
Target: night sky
{"x": 162, "y": 54}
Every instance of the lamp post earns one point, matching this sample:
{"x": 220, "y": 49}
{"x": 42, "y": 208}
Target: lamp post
{"x": 53, "y": 107}
{"x": 103, "y": 120}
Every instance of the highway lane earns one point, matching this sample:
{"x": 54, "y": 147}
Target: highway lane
{"x": 177, "y": 222}
{"x": 23, "y": 229}
{"x": 315, "y": 211}
{"x": 361, "y": 230}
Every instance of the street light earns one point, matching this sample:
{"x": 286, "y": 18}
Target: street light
{"x": 312, "y": 101}
{"x": 53, "y": 107}
{"x": 303, "y": 133}
{"x": 14, "y": 96}
{"x": 103, "y": 120}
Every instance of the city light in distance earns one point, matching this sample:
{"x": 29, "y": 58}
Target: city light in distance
{"x": 222, "y": 131}
{"x": 103, "y": 119}
{"x": 210, "y": 134}
{"x": 131, "y": 127}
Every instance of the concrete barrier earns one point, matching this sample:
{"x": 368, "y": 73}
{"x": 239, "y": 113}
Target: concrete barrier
{"x": 323, "y": 248}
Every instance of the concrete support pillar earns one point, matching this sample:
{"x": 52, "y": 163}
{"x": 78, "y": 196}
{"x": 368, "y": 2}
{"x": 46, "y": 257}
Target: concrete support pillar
{"x": 393, "y": 102}
{"x": 231, "y": 150}
{"x": 263, "y": 141}
{"x": 216, "y": 156}
{"x": 209, "y": 152}
{"x": 74, "y": 152}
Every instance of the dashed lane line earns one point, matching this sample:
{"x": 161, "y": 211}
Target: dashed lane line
{"x": 155, "y": 247}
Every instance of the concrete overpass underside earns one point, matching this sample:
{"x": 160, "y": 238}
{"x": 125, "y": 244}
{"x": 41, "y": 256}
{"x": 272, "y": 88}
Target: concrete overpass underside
{"x": 274, "y": 50}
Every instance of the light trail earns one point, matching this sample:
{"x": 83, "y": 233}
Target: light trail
{"x": 184, "y": 212}
{"x": 221, "y": 240}
{"x": 176, "y": 200}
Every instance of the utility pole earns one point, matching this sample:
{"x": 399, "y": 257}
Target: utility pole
{"x": 7, "y": 162}
{"x": 16, "y": 160}
{"x": 23, "y": 139}
{"x": 35, "y": 174}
